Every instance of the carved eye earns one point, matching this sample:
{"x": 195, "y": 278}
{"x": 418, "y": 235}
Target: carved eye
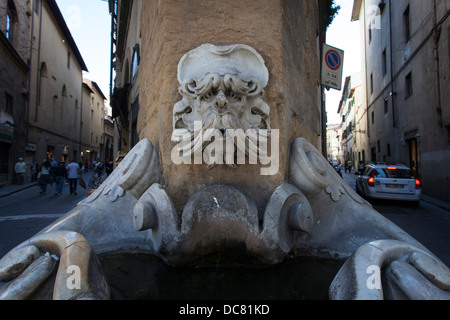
{"x": 233, "y": 95}
{"x": 209, "y": 95}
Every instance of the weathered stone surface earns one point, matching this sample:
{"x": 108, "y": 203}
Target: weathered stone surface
{"x": 288, "y": 215}
{"x": 22, "y": 287}
{"x": 15, "y": 262}
{"x": 396, "y": 262}
{"x": 219, "y": 218}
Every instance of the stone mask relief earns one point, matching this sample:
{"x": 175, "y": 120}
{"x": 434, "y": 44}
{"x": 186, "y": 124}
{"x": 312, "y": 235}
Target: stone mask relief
{"x": 222, "y": 89}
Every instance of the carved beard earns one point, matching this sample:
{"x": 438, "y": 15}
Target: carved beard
{"x": 213, "y": 120}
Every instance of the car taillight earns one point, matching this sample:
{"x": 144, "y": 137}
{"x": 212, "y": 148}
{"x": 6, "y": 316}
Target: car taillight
{"x": 371, "y": 182}
{"x": 418, "y": 184}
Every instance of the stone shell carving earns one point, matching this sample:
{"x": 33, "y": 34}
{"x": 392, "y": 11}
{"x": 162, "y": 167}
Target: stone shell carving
{"x": 312, "y": 174}
{"x": 138, "y": 171}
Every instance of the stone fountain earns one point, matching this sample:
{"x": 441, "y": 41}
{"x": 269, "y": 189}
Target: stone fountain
{"x": 251, "y": 202}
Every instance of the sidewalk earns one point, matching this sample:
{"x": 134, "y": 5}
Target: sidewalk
{"x": 6, "y": 191}
{"x": 350, "y": 178}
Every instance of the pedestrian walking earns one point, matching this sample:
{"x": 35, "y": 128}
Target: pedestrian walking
{"x": 21, "y": 171}
{"x": 34, "y": 168}
{"x": 99, "y": 170}
{"x": 361, "y": 167}
{"x": 73, "y": 172}
{"x": 44, "y": 176}
{"x": 60, "y": 173}
{"x": 109, "y": 167}
{"x": 53, "y": 163}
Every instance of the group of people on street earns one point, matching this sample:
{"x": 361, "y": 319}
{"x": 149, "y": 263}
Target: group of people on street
{"x": 50, "y": 171}
{"x": 58, "y": 173}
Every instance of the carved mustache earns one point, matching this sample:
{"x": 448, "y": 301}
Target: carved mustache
{"x": 213, "y": 120}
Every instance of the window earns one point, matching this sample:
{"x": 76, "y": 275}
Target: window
{"x": 135, "y": 61}
{"x": 384, "y": 62}
{"x": 389, "y": 150}
{"x": 63, "y": 101}
{"x": 9, "y": 103}
{"x": 35, "y": 6}
{"x": 9, "y": 26}
{"x": 68, "y": 60}
{"x": 373, "y": 117}
{"x": 386, "y": 105}
{"x": 75, "y": 118}
{"x": 408, "y": 85}
{"x": 373, "y": 152}
{"x": 379, "y": 146}
{"x": 42, "y": 82}
{"x": 371, "y": 83}
{"x": 407, "y": 23}
{"x": 11, "y": 17}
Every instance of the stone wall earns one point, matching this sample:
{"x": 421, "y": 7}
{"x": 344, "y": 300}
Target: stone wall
{"x": 283, "y": 32}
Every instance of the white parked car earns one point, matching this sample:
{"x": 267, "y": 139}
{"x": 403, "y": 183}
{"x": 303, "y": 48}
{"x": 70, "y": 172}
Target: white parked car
{"x": 390, "y": 182}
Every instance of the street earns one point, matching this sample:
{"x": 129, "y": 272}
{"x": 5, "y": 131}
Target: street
{"x": 25, "y": 213}
{"x": 428, "y": 223}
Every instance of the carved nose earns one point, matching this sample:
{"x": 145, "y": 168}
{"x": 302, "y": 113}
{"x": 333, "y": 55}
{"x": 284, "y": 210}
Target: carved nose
{"x": 221, "y": 101}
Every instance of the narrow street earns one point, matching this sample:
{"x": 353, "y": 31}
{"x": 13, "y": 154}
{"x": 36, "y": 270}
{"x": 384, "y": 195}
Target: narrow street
{"x": 25, "y": 213}
{"x": 429, "y": 222}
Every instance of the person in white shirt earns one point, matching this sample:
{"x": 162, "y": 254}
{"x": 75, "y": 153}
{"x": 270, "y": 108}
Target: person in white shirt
{"x": 21, "y": 171}
{"x": 73, "y": 172}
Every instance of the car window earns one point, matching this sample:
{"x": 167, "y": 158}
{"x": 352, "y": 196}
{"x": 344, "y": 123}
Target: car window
{"x": 398, "y": 173}
{"x": 380, "y": 173}
{"x": 366, "y": 171}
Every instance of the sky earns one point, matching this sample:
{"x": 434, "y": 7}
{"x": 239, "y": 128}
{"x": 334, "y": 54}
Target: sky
{"x": 345, "y": 35}
{"x": 89, "y": 23}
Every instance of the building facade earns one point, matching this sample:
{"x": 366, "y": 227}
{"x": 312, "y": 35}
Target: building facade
{"x": 333, "y": 143}
{"x": 42, "y": 112}
{"x": 92, "y": 125}
{"x": 354, "y": 142}
{"x": 56, "y": 78}
{"x": 126, "y": 41}
{"x": 14, "y": 53}
{"x": 405, "y": 76}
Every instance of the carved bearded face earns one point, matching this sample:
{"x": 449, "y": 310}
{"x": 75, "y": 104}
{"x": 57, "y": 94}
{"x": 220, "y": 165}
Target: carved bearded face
{"x": 222, "y": 102}
{"x": 223, "y": 88}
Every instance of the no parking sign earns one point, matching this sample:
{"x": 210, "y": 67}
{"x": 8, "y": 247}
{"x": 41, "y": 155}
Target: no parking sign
{"x": 332, "y": 66}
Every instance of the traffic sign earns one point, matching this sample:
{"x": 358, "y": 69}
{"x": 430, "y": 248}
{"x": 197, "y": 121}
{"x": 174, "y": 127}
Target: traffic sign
{"x": 332, "y": 67}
